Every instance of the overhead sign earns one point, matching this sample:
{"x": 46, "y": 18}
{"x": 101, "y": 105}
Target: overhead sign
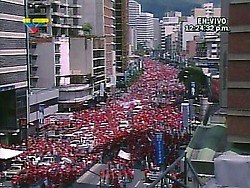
{"x": 34, "y": 23}
{"x": 159, "y": 148}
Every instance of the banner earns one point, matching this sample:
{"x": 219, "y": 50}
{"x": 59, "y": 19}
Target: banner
{"x": 185, "y": 114}
{"x": 124, "y": 155}
{"x": 41, "y": 114}
{"x": 192, "y": 89}
{"x": 125, "y": 76}
{"x": 102, "y": 89}
{"x": 159, "y": 148}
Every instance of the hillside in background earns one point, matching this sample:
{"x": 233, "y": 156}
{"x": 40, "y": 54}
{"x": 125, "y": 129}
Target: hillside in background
{"x": 159, "y": 7}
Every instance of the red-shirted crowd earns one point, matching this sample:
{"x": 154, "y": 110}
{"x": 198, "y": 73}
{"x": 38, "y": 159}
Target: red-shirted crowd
{"x": 138, "y": 137}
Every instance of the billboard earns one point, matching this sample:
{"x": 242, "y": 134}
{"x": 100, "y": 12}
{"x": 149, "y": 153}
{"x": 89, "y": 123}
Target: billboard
{"x": 159, "y": 148}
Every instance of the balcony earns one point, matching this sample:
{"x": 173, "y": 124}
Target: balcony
{"x": 35, "y": 77}
{"x": 58, "y": 2}
{"x": 34, "y": 66}
{"x": 75, "y": 16}
{"x": 75, "y": 5}
{"x": 56, "y": 14}
{"x": 64, "y": 3}
{"x": 76, "y": 26}
{"x": 56, "y": 25}
{"x": 66, "y": 26}
{"x": 44, "y": 2}
{"x": 65, "y": 15}
{"x": 33, "y": 13}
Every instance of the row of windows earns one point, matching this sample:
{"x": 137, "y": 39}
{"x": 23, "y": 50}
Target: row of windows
{"x": 13, "y": 60}
{"x": 15, "y": 77}
{"x": 10, "y": 8}
{"x": 12, "y": 26}
{"x": 10, "y": 43}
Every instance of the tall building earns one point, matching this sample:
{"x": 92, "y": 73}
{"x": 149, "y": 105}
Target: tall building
{"x": 169, "y": 34}
{"x": 49, "y": 48}
{"x": 109, "y": 29}
{"x": 186, "y": 36}
{"x": 145, "y": 29}
{"x": 13, "y": 70}
{"x": 207, "y": 10}
{"x": 49, "y": 56}
{"x": 209, "y": 42}
{"x": 157, "y": 33}
{"x": 122, "y": 37}
{"x": 92, "y": 12}
{"x": 238, "y": 90}
{"x": 134, "y": 11}
{"x": 132, "y": 39}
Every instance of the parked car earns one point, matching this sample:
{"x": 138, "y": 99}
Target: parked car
{"x": 46, "y": 161}
{"x": 123, "y": 125}
{"x": 12, "y": 171}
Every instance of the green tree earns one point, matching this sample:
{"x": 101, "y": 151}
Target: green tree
{"x": 194, "y": 74}
{"x": 87, "y": 28}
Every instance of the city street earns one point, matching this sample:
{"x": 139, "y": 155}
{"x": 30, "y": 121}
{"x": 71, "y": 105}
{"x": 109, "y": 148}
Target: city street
{"x": 127, "y": 123}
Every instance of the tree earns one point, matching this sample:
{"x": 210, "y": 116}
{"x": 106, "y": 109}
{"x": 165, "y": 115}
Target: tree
{"x": 194, "y": 74}
{"x": 87, "y": 28}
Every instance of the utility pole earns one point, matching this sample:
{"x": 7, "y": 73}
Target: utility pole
{"x": 28, "y": 70}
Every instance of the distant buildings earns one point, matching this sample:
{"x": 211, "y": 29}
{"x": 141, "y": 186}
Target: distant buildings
{"x": 145, "y": 30}
{"x": 207, "y": 10}
{"x": 157, "y": 34}
{"x": 135, "y": 10}
{"x": 169, "y": 34}
{"x": 109, "y": 30}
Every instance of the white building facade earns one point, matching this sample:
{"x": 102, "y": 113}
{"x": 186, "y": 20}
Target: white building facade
{"x": 145, "y": 29}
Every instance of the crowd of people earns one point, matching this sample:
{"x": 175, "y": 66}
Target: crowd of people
{"x": 137, "y": 139}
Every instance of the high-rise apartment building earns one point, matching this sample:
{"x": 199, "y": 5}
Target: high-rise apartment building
{"x": 209, "y": 42}
{"x": 109, "y": 29}
{"x": 63, "y": 14}
{"x": 157, "y": 33}
{"x": 134, "y": 11}
{"x": 238, "y": 90}
{"x": 169, "y": 33}
{"x": 145, "y": 29}
{"x": 122, "y": 36}
{"x": 13, "y": 70}
{"x": 49, "y": 45}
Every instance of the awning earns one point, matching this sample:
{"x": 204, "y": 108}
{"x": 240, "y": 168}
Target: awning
{"x": 9, "y": 153}
{"x": 207, "y": 143}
